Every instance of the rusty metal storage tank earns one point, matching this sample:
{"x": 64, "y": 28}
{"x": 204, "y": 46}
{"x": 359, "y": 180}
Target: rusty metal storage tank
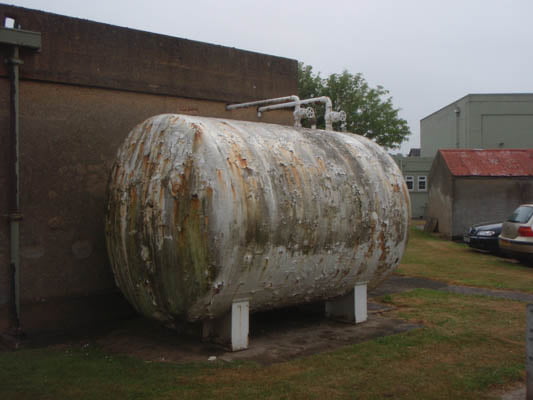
{"x": 204, "y": 211}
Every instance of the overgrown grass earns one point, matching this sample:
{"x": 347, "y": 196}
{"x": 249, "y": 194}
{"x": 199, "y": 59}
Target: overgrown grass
{"x": 468, "y": 347}
{"x": 431, "y": 257}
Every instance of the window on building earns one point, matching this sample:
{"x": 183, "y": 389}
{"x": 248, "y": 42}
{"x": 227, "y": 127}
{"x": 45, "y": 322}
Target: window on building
{"x": 9, "y": 22}
{"x": 422, "y": 183}
{"x": 409, "y": 181}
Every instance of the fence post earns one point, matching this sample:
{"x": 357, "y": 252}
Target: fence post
{"x": 529, "y": 352}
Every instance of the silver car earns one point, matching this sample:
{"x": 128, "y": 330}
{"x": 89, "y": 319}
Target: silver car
{"x": 516, "y": 238}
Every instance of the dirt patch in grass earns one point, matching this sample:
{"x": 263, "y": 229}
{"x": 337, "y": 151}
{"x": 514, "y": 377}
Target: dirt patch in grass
{"x": 275, "y": 337}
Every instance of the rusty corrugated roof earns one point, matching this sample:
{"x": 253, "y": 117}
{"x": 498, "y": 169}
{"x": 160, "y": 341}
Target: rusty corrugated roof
{"x": 502, "y": 162}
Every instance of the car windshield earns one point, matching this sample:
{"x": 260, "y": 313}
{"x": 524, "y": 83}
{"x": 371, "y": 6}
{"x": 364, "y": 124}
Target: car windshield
{"x": 521, "y": 215}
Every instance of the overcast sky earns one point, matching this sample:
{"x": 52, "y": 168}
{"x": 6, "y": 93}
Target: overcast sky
{"x": 427, "y": 53}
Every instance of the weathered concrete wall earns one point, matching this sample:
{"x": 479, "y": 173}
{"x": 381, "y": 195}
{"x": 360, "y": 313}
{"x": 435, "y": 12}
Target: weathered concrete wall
{"x": 87, "y": 53}
{"x": 67, "y": 150}
{"x": 482, "y": 199}
{"x": 79, "y": 98}
{"x": 440, "y": 197}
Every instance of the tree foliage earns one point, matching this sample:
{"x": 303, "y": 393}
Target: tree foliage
{"x": 369, "y": 111}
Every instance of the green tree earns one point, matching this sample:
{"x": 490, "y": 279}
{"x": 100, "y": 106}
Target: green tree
{"x": 369, "y": 111}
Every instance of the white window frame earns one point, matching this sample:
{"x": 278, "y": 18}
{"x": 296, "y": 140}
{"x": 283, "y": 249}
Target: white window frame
{"x": 422, "y": 179}
{"x": 409, "y": 179}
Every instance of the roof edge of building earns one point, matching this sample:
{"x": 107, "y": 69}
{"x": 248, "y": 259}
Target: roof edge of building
{"x": 477, "y": 95}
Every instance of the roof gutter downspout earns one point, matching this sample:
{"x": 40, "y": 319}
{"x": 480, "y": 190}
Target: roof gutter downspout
{"x": 15, "y": 38}
{"x": 14, "y": 214}
{"x": 457, "y": 112}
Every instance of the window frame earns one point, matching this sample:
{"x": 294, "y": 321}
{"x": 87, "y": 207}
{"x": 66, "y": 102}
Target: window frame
{"x": 419, "y": 180}
{"x": 410, "y": 179}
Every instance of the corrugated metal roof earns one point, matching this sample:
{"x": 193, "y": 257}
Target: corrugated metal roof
{"x": 504, "y": 162}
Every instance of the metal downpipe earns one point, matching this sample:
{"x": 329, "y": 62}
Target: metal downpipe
{"x": 14, "y": 214}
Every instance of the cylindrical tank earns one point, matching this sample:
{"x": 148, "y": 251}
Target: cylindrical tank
{"x": 203, "y": 212}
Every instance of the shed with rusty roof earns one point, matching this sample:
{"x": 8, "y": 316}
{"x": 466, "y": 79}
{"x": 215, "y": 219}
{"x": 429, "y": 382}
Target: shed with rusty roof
{"x": 473, "y": 186}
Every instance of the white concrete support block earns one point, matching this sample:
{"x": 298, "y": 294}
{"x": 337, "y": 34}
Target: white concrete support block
{"x": 232, "y": 329}
{"x": 351, "y": 307}
{"x": 240, "y": 325}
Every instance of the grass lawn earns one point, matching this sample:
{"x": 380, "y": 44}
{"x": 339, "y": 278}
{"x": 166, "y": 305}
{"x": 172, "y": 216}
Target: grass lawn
{"x": 430, "y": 257}
{"x": 469, "y": 347}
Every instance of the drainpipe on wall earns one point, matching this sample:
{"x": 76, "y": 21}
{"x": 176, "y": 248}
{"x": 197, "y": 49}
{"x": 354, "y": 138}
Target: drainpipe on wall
{"x": 14, "y": 215}
{"x": 457, "y": 112}
{"x": 15, "y": 38}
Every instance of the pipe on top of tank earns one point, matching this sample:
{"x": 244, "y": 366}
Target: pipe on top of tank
{"x": 264, "y": 102}
{"x": 299, "y": 113}
{"x": 330, "y": 115}
{"x": 295, "y": 100}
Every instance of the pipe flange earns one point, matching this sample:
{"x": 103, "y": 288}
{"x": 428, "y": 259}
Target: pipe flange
{"x": 305, "y": 112}
{"x": 309, "y": 112}
{"x": 338, "y": 116}
{"x": 14, "y": 61}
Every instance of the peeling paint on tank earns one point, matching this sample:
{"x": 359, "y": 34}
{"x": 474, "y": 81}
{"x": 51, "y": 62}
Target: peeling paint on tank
{"x": 204, "y": 211}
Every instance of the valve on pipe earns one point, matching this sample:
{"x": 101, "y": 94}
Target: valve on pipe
{"x": 338, "y": 116}
{"x": 303, "y": 113}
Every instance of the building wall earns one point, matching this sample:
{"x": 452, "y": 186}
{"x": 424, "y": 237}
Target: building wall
{"x": 501, "y": 121}
{"x": 487, "y": 199}
{"x": 444, "y": 128}
{"x": 441, "y": 196}
{"x": 417, "y": 168}
{"x": 484, "y": 121}
{"x": 79, "y": 97}
{"x": 87, "y": 53}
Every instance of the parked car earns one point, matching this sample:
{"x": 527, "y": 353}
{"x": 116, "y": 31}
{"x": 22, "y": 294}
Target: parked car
{"x": 484, "y": 236}
{"x": 516, "y": 238}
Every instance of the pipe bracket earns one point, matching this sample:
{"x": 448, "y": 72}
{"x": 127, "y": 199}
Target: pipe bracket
{"x": 14, "y": 216}
{"x": 14, "y": 61}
